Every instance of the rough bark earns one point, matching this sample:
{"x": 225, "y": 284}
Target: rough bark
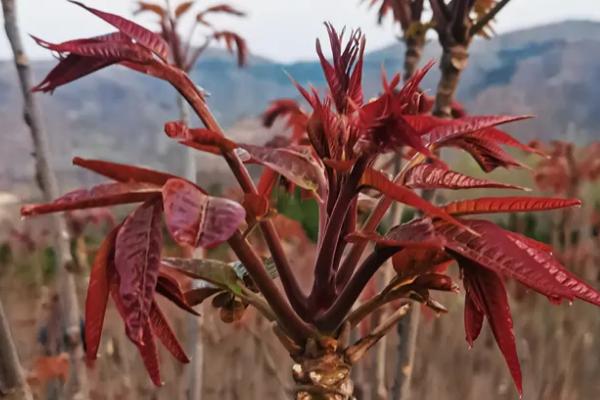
{"x": 453, "y": 62}
{"x": 77, "y": 384}
{"x": 324, "y": 376}
{"x": 12, "y": 381}
{"x": 412, "y": 54}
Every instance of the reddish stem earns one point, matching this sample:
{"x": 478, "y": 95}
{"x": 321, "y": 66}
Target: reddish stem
{"x": 331, "y": 319}
{"x": 323, "y": 289}
{"x": 294, "y": 293}
{"x": 294, "y": 326}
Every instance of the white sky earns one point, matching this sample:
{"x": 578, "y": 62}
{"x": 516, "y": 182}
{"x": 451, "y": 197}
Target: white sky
{"x": 283, "y": 30}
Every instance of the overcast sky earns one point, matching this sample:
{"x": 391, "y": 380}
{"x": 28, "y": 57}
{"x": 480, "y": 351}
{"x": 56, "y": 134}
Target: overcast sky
{"x": 282, "y": 30}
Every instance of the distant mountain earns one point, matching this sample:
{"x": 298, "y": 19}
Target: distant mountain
{"x": 551, "y": 71}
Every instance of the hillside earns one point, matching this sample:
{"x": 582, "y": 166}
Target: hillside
{"x": 550, "y": 71}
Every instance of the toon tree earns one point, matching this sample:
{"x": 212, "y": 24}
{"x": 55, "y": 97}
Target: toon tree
{"x": 332, "y": 160}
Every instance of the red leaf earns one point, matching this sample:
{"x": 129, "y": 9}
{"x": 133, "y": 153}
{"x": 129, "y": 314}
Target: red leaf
{"x": 197, "y": 220}
{"x": 466, "y": 125}
{"x": 473, "y": 318}
{"x": 423, "y": 124}
{"x": 496, "y": 250}
{"x": 141, "y": 35}
{"x": 532, "y": 242}
{"x": 124, "y": 172}
{"x": 488, "y": 154}
{"x": 402, "y": 194}
{"x": 418, "y": 234}
{"x": 108, "y": 50}
{"x": 564, "y": 277}
{"x": 430, "y": 176}
{"x": 385, "y": 241}
{"x": 267, "y": 182}
{"x": 501, "y": 137}
{"x": 183, "y": 8}
{"x": 435, "y": 281}
{"x": 69, "y": 69}
{"x": 149, "y": 7}
{"x": 488, "y": 205}
{"x": 233, "y": 41}
{"x": 107, "y": 194}
{"x": 412, "y": 262}
{"x": 179, "y": 130}
{"x": 172, "y": 285}
{"x": 257, "y": 206}
{"x": 137, "y": 260}
{"x": 298, "y": 167}
{"x": 345, "y": 75}
{"x": 486, "y": 289}
{"x": 97, "y": 295}
{"x": 147, "y": 346}
{"x": 220, "y": 8}
{"x": 149, "y": 354}
{"x": 160, "y": 327}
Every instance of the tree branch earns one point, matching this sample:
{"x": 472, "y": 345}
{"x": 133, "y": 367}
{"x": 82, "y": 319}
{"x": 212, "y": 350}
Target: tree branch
{"x": 479, "y": 25}
{"x": 12, "y": 380}
{"x": 322, "y": 289}
{"x": 332, "y": 318}
{"x": 291, "y": 323}
{"x": 49, "y": 186}
{"x": 181, "y": 81}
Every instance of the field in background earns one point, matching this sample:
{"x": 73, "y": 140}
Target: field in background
{"x": 558, "y": 346}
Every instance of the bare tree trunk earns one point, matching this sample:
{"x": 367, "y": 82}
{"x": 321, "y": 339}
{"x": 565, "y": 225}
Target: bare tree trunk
{"x": 412, "y": 54}
{"x": 454, "y": 60}
{"x": 408, "y": 329}
{"x": 194, "y": 337}
{"x": 12, "y": 382}
{"x": 77, "y": 384}
{"x": 323, "y": 377}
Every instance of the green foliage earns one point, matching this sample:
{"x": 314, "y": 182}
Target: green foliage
{"x": 305, "y": 211}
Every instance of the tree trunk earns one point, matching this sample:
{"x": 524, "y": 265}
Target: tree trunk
{"x": 77, "y": 384}
{"x": 12, "y": 382}
{"x": 408, "y": 329}
{"x": 194, "y": 338}
{"x": 324, "y": 376}
{"x": 412, "y": 54}
{"x": 453, "y": 61}
{"x": 405, "y": 351}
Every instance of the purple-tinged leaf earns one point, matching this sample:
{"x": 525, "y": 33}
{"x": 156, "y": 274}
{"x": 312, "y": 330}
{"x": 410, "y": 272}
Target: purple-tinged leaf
{"x": 137, "y": 261}
{"x": 197, "y": 220}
